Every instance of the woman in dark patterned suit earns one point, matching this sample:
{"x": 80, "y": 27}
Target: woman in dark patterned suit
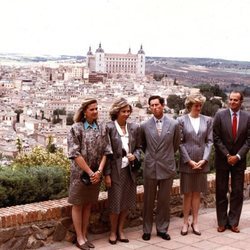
{"x": 87, "y": 149}
{"x": 195, "y": 149}
{"x": 120, "y": 178}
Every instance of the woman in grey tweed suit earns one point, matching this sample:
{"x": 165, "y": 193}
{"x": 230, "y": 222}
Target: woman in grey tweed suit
{"x": 195, "y": 149}
{"x": 119, "y": 175}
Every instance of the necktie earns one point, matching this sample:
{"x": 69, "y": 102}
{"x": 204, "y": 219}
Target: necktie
{"x": 159, "y": 126}
{"x": 234, "y": 125}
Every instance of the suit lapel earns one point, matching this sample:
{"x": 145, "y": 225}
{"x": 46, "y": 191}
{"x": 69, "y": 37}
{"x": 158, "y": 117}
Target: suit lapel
{"x": 165, "y": 129}
{"x": 240, "y": 125}
{"x": 131, "y": 137}
{"x": 153, "y": 131}
{"x": 228, "y": 122}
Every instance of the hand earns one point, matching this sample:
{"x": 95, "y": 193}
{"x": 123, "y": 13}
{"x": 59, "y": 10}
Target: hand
{"x": 201, "y": 163}
{"x": 131, "y": 157}
{"x": 193, "y": 165}
{"x": 232, "y": 159}
{"x": 108, "y": 181}
{"x": 95, "y": 178}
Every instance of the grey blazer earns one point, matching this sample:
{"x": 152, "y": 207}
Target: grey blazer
{"x": 223, "y": 138}
{"x": 194, "y": 146}
{"x": 160, "y": 149}
{"x": 113, "y": 163}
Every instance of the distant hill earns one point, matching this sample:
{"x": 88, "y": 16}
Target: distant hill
{"x": 41, "y": 58}
{"x": 193, "y": 71}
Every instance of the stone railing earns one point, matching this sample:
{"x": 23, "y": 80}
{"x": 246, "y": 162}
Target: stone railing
{"x": 35, "y": 225}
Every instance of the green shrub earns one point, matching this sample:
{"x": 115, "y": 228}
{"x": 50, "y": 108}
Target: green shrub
{"x": 31, "y": 184}
{"x": 41, "y": 157}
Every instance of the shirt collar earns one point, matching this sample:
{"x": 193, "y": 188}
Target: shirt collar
{"x": 156, "y": 120}
{"x": 90, "y": 126}
{"x": 232, "y": 112}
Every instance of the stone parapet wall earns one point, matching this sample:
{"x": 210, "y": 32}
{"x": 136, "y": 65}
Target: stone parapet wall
{"x": 34, "y": 225}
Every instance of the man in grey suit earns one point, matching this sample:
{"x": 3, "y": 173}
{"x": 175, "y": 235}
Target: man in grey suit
{"x": 231, "y": 132}
{"x": 160, "y": 140}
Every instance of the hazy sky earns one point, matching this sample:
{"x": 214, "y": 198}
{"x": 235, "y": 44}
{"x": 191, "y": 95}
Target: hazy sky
{"x": 171, "y": 28}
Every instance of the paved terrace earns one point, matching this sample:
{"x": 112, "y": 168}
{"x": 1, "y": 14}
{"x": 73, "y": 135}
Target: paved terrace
{"x": 210, "y": 238}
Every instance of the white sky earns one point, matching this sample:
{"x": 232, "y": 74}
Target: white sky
{"x": 171, "y": 28}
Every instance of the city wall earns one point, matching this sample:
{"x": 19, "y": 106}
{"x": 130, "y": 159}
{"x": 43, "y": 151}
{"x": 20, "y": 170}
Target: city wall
{"x": 34, "y": 225}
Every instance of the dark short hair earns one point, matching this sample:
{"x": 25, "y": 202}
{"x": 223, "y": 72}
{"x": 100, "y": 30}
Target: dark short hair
{"x": 152, "y": 97}
{"x": 237, "y": 92}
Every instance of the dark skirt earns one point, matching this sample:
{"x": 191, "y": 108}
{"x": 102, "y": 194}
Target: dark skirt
{"x": 80, "y": 194}
{"x": 122, "y": 195}
{"x": 193, "y": 182}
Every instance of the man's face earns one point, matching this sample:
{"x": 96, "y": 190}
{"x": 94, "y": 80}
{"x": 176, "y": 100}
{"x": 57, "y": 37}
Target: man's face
{"x": 234, "y": 101}
{"x": 156, "y": 108}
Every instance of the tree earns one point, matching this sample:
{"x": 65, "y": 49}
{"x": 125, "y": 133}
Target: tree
{"x": 18, "y": 112}
{"x": 19, "y": 145}
{"x": 209, "y": 108}
{"x": 70, "y": 119}
{"x": 158, "y": 76}
{"x": 175, "y": 102}
{"x": 210, "y": 91}
{"x": 51, "y": 147}
{"x": 138, "y": 105}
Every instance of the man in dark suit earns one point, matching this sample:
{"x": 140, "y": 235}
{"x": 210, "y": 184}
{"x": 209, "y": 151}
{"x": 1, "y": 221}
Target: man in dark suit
{"x": 231, "y": 132}
{"x": 160, "y": 140}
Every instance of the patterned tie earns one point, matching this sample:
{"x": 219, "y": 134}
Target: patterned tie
{"x": 159, "y": 126}
{"x": 234, "y": 125}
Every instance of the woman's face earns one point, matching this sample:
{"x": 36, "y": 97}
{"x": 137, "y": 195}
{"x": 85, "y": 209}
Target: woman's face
{"x": 91, "y": 113}
{"x": 196, "y": 109}
{"x": 124, "y": 114}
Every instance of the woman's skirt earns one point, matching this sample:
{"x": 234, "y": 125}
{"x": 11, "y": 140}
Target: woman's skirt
{"x": 122, "y": 195}
{"x": 80, "y": 194}
{"x": 193, "y": 182}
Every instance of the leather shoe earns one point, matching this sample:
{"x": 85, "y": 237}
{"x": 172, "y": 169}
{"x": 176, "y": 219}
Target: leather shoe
{"x": 112, "y": 242}
{"x": 164, "y": 236}
{"x": 194, "y": 231}
{"x": 221, "y": 229}
{"x": 146, "y": 236}
{"x": 235, "y": 229}
{"x": 84, "y": 246}
{"x": 90, "y": 244}
{"x": 185, "y": 226}
{"x": 123, "y": 240}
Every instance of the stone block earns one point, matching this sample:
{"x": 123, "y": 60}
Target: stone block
{"x": 38, "y": 233}
{"x": 22, "y": 231}
{"x": 6, "y": 234}
{"x": 60, "y": 232}
{"x": 66, "y": 222}
{"x": 17, "y": 243}
{"x": 33, "y": 243}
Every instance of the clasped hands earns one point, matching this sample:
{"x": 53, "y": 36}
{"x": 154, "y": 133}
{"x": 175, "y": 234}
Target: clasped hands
{"x": 196, "y": 165}
{"x": 232, "y": 159}
{"x": 95, "y": 177}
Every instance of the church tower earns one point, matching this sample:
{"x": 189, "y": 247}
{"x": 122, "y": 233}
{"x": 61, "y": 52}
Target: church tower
{"x": 100, "y": 60}
{"x": 141, "y": 62}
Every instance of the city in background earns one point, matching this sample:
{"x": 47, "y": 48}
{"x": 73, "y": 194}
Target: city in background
{"x": 39, "y": 95}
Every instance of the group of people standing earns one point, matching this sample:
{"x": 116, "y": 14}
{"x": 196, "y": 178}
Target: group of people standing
{"x": 115, "y": 148}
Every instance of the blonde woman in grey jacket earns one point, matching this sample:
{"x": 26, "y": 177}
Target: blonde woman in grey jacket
{"x": 195, "y": 149}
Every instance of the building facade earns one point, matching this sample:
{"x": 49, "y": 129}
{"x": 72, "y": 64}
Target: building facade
{"x": 129, "y": 63}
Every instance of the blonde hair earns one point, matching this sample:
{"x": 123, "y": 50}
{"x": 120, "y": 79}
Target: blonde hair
{"x": 79, "y": 115}
{"x": 193, "y": 99}
{"x": 117, "y": 106}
